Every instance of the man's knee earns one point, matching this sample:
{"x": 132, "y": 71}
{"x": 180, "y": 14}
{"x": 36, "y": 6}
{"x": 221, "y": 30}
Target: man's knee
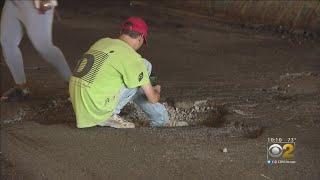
{"x": 160, "y": 117}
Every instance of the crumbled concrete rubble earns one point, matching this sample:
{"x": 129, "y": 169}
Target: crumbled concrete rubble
{"x": 200, "y": 112}
{"x": 195, "y": 113}
{"x": 291, "y": 76}
{"x": 18, "y": 117}
{"x": 300, "y": 83}
{"x": 54, "y": 111}
{"x": 297, "y": 83}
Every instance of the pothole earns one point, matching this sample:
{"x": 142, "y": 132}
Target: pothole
{"x": 204, "y": 113}
{"x": 201, "y": 113}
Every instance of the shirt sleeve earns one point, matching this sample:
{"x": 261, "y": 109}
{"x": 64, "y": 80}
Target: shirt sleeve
{"x": 135, "y": 73}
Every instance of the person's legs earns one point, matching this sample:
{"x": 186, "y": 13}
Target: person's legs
{"x": 126, "y": 95}
{"x": 11, "y": 35}
{"x": 115, "y": 120}
{"x": 39, "y": 29}
{"x": 156, "y": 112}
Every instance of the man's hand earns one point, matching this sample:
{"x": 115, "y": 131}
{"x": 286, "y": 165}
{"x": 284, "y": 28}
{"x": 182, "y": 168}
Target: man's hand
{"x": 157, "y": 88}
{"x": 152, "y": 93}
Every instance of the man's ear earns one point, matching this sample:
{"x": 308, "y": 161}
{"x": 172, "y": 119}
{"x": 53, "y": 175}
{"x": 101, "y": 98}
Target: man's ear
{"x": 139, "y": 39}
{"x": 142, "y": 38}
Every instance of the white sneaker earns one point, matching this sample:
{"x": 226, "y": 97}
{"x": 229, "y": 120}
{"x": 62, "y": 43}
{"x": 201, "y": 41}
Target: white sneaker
{"x": 177, "y": 124}
{"x": 116, "y": 121}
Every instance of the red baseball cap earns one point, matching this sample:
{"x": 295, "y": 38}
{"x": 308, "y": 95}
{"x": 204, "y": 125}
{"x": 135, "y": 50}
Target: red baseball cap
{"x": 136, "y": 24}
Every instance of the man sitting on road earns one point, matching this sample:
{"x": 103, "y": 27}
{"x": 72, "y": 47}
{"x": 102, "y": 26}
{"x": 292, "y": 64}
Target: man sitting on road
{"x": 109, "y": 75}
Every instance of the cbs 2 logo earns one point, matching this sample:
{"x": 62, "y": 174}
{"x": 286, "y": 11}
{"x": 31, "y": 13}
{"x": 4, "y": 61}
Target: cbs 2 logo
{"x": 285, "y": 151}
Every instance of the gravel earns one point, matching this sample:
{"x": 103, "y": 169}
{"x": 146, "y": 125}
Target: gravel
{"x": 200, "y": 112}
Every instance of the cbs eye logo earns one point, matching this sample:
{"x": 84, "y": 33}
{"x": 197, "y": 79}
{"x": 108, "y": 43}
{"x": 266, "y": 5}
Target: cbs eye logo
{"x": 285, "y": 151}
